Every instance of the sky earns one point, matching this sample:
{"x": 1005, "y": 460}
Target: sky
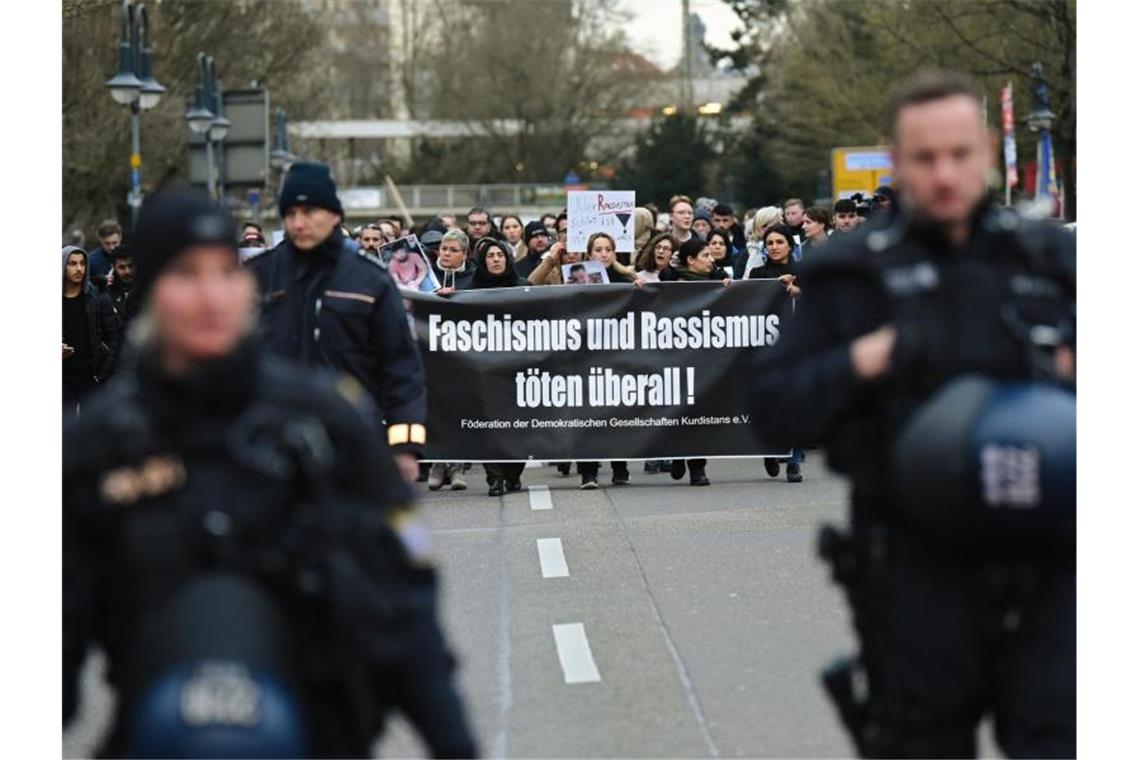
{"x": 655, "y": 26}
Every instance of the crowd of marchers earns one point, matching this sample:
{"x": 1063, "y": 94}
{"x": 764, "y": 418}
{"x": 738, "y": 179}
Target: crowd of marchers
{"x": 688, "y": 239}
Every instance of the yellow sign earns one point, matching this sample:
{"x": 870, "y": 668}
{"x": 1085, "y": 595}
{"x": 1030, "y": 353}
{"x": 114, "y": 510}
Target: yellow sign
{"x": 859, "y": 170}
{"x": 136, "y": 160}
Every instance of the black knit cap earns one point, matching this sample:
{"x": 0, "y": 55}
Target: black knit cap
{"x": 309, "y": 184}
{"x": 532, "y": 229}
{"x": 169, "y": 223}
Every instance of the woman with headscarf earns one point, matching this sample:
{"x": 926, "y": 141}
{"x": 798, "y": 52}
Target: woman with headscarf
{"x": 495, "y": 268}
{"x": 779, "y": 243}
{"x": 720, "y": 248}
{"x": 693, "y": 263}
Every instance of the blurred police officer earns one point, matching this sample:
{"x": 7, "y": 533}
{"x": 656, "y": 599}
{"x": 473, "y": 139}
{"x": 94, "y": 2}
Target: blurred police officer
{"x": 951, "y": 626}
{"x": 236, "y": 535}
{"x": 325, "y": 305}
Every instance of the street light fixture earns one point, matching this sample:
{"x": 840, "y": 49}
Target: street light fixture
{"x": 134, "y": 86}
{"x": 125, "y": 86}
{"x": 205, "y": 117}
{"x": 280, "y": 157}
{"x": 151, "y": 91}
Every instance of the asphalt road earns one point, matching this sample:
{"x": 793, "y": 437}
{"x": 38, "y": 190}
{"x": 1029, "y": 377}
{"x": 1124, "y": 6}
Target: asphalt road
{"x": 664, "y": 620}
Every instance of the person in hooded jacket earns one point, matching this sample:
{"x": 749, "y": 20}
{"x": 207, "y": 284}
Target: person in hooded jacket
{"x": 91, "y": 332}
{"x": 495, "y": 268}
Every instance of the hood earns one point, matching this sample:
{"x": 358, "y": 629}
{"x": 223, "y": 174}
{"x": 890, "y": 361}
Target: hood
{"x": 67, "y": 251}
{"x": 483, "y": 277}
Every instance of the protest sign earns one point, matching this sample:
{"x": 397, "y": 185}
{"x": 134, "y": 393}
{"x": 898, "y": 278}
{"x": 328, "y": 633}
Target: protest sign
{"x": 606, "y": 372}
{"x": 408, "y": 265}
{"x": 585, "y": 273}
{"x": 609, "y": 211}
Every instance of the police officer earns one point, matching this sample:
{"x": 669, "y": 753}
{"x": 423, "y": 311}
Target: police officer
{"x": 325, "y": 305}
{"x": 952, "y": 625}
{"x": 236, "y": 536}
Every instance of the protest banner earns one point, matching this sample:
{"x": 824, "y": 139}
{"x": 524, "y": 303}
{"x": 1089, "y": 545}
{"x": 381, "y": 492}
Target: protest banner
{"x": 599, "y": 372}
{"x": 609, "y": 211}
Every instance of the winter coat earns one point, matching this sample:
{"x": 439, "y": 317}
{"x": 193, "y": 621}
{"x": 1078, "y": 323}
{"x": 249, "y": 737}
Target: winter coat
{"x": 331, "y": 307}
{"x": 104, "y": 332}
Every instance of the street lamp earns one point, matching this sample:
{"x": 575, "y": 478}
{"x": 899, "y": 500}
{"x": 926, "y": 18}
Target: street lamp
{"x": 280, "y": 157}
{"x": 205, "y": 117}
{"x": 151, "y": 91}
{"x": 135, "y": 86}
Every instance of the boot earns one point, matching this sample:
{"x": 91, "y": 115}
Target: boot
{"x": 697, "y": 476}
{"x": 794, "y": 475}
{"x": 621, "y": 474}
{"x": 589, "y": 482}
{"x": 455, "y": 475}
{"x": 564, "y": 469}
{"x": 772, "y": 467}
{"x": 677, "y": 469}
{"x": 498, "y": 487}
{"x": 437, "y": 477}
{"x": 513, "y": 485}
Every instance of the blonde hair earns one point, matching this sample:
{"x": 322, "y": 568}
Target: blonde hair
{"x": 765, "y": 217}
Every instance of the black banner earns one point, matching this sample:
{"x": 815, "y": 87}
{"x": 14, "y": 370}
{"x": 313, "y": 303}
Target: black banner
{"x": 593, "y": 372}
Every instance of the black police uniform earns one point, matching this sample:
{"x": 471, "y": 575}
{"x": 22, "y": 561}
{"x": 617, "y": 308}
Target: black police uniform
{"x": 251, "y": 468}
{"x": 948, "y": 631}
{"x": 334, "y": 308}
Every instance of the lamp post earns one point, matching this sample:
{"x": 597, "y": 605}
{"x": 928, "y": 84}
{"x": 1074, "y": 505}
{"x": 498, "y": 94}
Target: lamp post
{"x": 134, "y": 85}
{"x": 281, "y": 158}
{"x": 205, "y": 117}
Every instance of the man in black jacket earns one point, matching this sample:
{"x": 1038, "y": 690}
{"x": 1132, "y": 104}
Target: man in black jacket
{"x": 951, "y": 628}
{"x": 90, "y": 332}
{"x": 325, "y": 305}
{"x": 537, "y": 242}
{"x": 122, "y": 283}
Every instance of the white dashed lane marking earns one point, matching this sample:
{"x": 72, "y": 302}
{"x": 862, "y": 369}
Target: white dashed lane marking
{"x": 574, "y": 654}
{"x": 540, "y": 497}
{"x": 552, "y": 558}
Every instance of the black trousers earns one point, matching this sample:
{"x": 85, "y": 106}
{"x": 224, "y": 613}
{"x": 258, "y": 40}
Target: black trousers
{"x": 504, "y": 470}
{"x": 590, "y": 469}
{"x": 946, "y": 642}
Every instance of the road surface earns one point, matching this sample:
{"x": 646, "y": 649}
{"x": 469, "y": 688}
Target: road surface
{"x": 649, "y": 620}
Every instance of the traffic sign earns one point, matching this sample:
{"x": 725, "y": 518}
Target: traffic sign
{"x": 859, "y": 170}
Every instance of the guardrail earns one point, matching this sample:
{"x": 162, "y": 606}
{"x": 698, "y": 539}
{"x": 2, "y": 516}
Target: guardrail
{"x": 436, "y": 199}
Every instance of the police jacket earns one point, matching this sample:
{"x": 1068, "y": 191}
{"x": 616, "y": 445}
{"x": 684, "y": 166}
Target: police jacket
{"x": 334, "y": 308}
{"x": 248, "y": 466}
{"x": 956, "y": 310}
